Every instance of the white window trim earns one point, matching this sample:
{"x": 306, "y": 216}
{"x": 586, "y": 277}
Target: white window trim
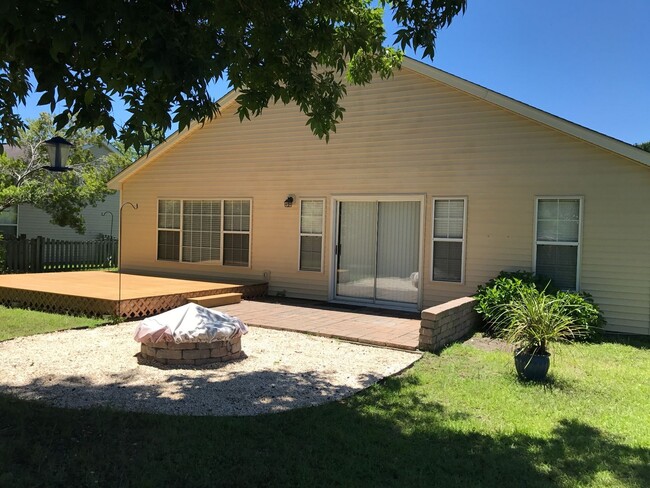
{"x": 560, "y": 243}
{"x": 449, "y": 239}
{"x": 180, "y": 229}
{"x": 321, "y": 235}
{"x": 249, "y": 232}
{"x": 159, "y": 229}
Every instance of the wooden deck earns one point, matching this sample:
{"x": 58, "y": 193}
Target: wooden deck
{"x": 97, "y": 293}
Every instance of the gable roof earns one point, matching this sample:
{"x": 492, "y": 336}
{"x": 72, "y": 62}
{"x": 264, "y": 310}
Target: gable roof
{"x": 583, "y": 133}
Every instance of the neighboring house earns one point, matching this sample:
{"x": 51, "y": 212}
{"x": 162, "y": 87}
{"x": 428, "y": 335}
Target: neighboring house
{"x": 32, "y": 222}
{"x": 431, "y": 186}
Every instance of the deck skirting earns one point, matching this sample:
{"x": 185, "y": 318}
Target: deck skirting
{"x": 128, "y": 308}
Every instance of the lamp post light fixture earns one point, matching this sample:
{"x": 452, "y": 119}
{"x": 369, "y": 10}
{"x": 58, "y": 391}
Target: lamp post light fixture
{"x": 58, "y": 150}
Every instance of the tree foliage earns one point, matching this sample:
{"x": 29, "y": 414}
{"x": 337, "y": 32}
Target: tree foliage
{"x": 644, "y": 145}
{"x": 160, "y": 56}
{"x": 62, "y": 195}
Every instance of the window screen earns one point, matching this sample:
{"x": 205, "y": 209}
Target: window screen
{"x": 558, "y": 240}
{"x": 236, "y": 238}
{"x": 169, "y": 224}
{"x": 311, "y": 234}
{"x": 448, "y": 239}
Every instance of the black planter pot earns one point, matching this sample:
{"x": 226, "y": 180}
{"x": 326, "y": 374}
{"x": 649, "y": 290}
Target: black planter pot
{"x": 532, "y": 367}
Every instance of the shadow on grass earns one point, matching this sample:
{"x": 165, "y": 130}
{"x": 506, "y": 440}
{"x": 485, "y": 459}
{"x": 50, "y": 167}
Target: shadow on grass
{"x": 639, "y": 342}
{"x": 387, "y": 436}
{"x": 551, "y": 382}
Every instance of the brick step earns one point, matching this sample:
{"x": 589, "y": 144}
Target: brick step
{"x": 216, "y": 300}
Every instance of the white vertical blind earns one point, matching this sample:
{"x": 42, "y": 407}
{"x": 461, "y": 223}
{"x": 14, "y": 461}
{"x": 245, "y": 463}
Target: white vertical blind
{"x": 379, "y": 250}
{"x": 357, "y": 249}
{"x": 398, "y": 251}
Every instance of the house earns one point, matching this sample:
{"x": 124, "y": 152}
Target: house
{"x": 27, "y": 220}
{"x": 431, "y": 186}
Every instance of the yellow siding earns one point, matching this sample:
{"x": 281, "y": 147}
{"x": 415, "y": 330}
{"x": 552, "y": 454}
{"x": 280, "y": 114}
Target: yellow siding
{"x": 409, "y": 135}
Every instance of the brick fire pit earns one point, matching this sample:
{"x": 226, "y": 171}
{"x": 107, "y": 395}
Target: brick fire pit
{"x": 190, "y": 335}
{"x": 192, "y": 353}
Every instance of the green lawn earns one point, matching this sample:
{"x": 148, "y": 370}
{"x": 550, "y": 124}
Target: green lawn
{"x": 16, "y": 322}
{"x": 460, "y": 419}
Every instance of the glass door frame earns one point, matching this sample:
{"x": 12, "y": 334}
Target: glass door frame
{"x": 335, "y": 218}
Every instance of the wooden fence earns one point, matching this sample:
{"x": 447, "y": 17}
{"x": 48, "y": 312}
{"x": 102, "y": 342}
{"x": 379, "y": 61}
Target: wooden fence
{"x": 41, "y": 255}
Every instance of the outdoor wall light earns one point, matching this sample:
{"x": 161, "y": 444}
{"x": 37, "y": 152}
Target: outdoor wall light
{"x": 289, "y": 201}
{"x": 58, "y": 150}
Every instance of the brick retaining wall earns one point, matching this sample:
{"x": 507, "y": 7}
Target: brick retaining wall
{"x": 447, "y": 322}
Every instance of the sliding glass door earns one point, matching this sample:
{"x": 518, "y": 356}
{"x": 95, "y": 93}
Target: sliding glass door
{"x": 378, "y": 251}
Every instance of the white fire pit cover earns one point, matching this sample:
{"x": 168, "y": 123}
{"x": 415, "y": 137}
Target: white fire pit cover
{"x": 190, "y": 323}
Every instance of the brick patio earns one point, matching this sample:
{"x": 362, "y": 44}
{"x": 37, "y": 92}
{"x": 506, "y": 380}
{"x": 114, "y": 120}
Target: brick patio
{"x": 386, "y": 328}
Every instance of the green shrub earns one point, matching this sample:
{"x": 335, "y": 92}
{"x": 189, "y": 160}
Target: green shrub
{"x": 583, "y": 311}
{"x": 509, "y": 286}
{"x": 500, "y": 291}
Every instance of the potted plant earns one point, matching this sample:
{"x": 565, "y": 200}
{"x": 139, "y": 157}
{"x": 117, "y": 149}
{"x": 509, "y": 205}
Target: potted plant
{"x": 532, "y": 322}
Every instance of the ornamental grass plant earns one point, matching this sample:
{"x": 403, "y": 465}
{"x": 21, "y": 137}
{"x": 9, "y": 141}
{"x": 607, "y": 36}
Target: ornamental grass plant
{"x": 535, "y": 319}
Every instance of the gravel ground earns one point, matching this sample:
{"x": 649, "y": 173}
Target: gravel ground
{"x": 281, "y": 371}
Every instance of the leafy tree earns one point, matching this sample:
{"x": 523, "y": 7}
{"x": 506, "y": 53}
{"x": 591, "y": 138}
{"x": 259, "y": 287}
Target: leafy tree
{"x": 644, "y": 145}
{"x": 61, "y": 195}
{"x": 159, "y": 57}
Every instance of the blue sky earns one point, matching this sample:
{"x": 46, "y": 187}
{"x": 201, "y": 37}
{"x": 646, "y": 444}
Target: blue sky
{"x": 583, "y": 60}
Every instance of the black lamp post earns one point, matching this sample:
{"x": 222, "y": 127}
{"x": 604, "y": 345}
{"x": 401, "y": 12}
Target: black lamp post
{"x": 58, "y": 150}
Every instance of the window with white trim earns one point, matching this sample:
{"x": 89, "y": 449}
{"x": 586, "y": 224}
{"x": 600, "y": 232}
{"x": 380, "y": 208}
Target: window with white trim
{"x": 448, "y": 239}
{"x": 169, "y": 230}
{"x": 9, "y": 222}
{"x": 557, "y": 244}
{"x": 204, "y": 231}
{"x": 311, "y": 234}
{"x": 236, "y": 232}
